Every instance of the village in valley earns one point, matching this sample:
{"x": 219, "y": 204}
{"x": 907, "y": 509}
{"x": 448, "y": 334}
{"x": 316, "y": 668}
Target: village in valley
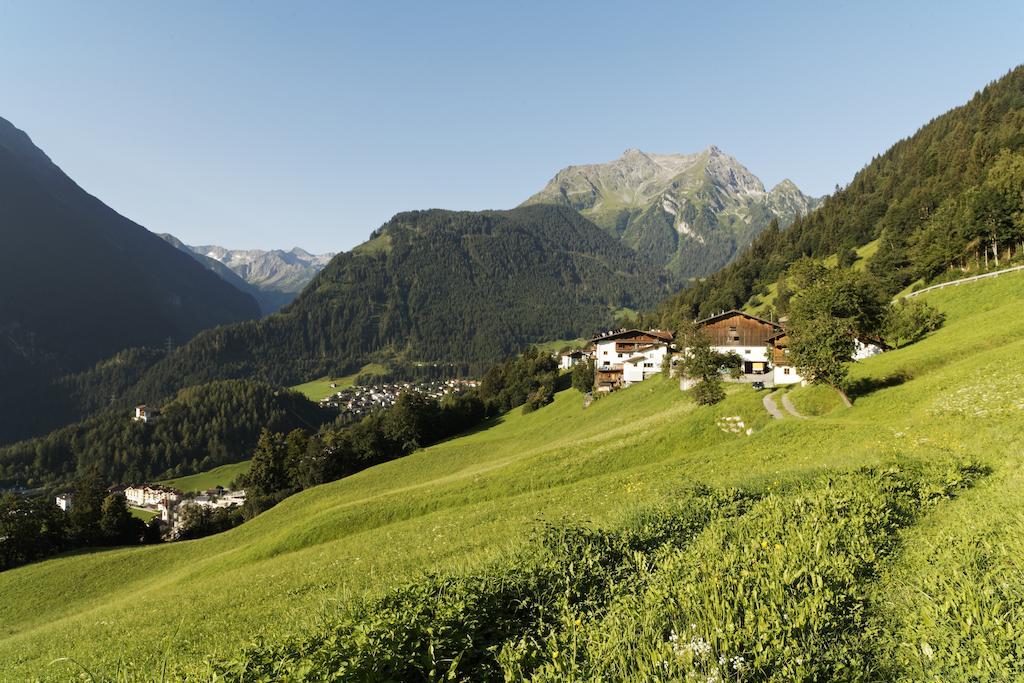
{"x": 357, "y": 401}
{"x": 166, "y": 503}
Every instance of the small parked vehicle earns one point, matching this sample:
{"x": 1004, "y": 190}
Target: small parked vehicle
{"x": 757, "y": 385}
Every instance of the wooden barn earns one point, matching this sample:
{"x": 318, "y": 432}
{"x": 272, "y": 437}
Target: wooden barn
{"x": 744, "y": 334}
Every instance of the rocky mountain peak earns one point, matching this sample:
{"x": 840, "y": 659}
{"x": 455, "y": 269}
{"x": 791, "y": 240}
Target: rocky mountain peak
{"x": 683, "y": 210}
{"x": 785, "y": 186}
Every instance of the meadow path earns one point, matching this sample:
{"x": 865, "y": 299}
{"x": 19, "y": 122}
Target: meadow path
{"x": 790, "y": 408}
{"x": 769, "y": 405}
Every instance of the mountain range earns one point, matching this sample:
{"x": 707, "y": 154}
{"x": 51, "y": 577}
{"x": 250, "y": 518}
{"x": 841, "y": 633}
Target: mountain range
{"x": 689, "y": 213}
{"x": 458, "y": 288}
{"x": 274, "y": 278}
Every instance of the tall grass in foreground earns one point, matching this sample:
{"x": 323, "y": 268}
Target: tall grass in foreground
{"x": 720, "y": 586}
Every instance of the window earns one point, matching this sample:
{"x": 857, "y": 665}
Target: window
{"x": 620, "y": 355}
{"x": 785, "y": 371}
{"x": 746, "y": 350}
{"x": 605, "y": 352}
{"x": 648, "y": 365}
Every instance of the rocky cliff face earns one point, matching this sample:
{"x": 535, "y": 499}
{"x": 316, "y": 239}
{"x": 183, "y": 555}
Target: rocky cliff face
{"x": 692, "y": 213}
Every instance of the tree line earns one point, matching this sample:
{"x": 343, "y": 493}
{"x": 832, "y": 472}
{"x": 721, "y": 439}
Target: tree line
{"x": 201, "y": 428}
{"x": 285, "y": 463}
{"x": 33, "y": 527}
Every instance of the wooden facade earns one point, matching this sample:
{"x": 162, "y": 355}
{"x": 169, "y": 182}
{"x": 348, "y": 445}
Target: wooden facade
{"x": 735, "y": 328}
{"x": 780, "y": 342}
{"x": 607, "y": 379}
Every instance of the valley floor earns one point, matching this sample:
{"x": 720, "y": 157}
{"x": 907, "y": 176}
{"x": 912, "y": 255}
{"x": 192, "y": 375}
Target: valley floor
{"x": 946, "y": 599}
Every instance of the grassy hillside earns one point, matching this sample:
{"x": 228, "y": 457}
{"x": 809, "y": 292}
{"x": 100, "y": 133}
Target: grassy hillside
{"x": 917, "y": 580}
{"x": 218, "y": 476}
{"x": 764, "y": 301}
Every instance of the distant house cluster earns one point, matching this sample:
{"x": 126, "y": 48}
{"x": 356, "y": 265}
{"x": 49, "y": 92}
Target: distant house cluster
{"x": 624, "y": 357}
{"x": 165, "y": 501}
{"x": 151, "y": 495}
{"x": 358, "y": 401}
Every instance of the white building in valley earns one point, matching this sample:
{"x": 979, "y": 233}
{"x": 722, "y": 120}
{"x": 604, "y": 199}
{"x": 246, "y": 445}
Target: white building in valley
{"x": 151, "y": 495}
{"x": 567, "y": 360}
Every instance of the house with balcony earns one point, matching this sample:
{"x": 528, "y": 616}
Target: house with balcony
{"x": 625, "y": 357}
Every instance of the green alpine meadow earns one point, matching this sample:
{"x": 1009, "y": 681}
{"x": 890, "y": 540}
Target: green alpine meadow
{"x": 342, "y": 343}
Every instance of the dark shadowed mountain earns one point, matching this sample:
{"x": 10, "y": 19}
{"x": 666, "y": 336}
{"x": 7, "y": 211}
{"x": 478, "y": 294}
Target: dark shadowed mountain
{"x": 80, "y": 282}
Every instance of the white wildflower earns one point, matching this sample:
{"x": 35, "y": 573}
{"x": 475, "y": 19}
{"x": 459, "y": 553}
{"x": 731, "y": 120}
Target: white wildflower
{"x": 700, "y": 647}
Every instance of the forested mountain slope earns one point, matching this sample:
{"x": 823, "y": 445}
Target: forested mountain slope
{"x": 689, "y": 213}
{"x": 200, "y": 428}
{"x": 460, "y": 288}
{"x": 832, "y": 545}
{"x": 80, "y": 282}
{"x": 937, "y": 200}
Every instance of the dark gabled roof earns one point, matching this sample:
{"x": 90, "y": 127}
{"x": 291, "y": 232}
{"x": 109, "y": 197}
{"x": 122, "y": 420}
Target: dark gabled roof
{"x": 877, "y": 341}
{"x": 729, "y": 314}
{"x": 862, "y": 338}
{"x": 663, "y": 335}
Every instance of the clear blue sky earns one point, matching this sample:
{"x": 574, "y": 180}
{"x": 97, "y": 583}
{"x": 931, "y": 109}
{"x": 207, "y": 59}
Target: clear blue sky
{"x": 271, "y": 124}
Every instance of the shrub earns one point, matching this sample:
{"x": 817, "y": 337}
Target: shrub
{"x": 909, "y": 321}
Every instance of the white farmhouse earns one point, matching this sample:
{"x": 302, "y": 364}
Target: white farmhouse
{"x": 64, "y": 501}
{"x": 627, "y": 356}
{"x": 567, "y": 360}
{"x": 865, "y": 347}
{"x": 784, "y": 371}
